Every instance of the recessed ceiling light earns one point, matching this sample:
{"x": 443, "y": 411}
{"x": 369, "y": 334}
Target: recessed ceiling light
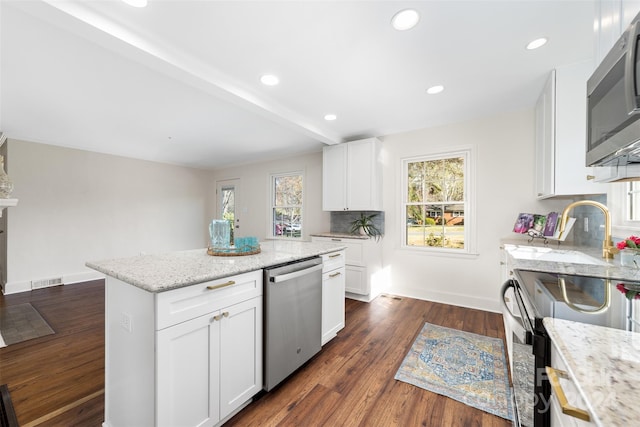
{"x": 435, "y": 89}
{"x": 330, "y": 117}
{"x": 136, "y": 3}
{"x": 405, "y": 19}
{"x": 537, "y": 43}
{"x": 269, "y": 80}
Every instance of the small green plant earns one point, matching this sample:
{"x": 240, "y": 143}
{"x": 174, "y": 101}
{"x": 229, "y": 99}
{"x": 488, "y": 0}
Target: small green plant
{"x": 365, "y": 223}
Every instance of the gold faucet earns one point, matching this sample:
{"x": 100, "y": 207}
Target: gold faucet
{"x": 608, "y": 249}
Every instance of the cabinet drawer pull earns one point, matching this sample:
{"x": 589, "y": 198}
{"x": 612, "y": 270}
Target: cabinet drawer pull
{"x": 336, "y": 240}
{"x": 335, "y": 274}
{"x": 567, "y": 409}
{"x": 335, "y": 255}
{"x": 222, "y": 285}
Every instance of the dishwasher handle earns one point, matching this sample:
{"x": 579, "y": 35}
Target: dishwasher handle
{"x": 295, "y": 274}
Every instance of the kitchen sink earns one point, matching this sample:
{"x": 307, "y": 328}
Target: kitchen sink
{"x": 553, "y": 255}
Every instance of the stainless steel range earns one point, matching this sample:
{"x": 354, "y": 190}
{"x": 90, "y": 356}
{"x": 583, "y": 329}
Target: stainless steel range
{"x": 535, "y": 295}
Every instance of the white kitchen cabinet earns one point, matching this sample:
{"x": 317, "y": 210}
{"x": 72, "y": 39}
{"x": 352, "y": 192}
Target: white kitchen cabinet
{"x": 333, "y": 294}
{"x": 365, "y": 277}
{"x": 561, "y": 134}
{"x": 190, "y": 356}
{"x": 210, "y": 366}
{"x": 611, "y": 19}
{"x": 566, "y": 387}
{"x": 352, "y": 176}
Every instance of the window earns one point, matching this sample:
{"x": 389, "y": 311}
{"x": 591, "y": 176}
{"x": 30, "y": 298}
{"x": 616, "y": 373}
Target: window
{"x": 633, "y": 201}
{"x": 623, "y": 200}
{"x": 436, "y": 204}
{"x": 286, "y": 205}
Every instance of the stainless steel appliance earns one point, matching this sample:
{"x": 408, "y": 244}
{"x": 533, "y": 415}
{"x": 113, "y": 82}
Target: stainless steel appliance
{"x": 293, "y": 317}
{"x": 613, "y": 104}
{"x": 537, "y": 295}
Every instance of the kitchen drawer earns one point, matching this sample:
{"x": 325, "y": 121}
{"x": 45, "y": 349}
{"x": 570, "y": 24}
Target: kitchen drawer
{"x": 180, "y": 305}
{"x": 332, "y": 261}
{"x": 558, "y": 418}
{"x": 355, "y": 248}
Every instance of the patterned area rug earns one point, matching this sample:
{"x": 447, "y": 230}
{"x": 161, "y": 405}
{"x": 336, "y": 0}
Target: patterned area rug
{"x": 469, "y": 368}
{"x": 20, "y": 323}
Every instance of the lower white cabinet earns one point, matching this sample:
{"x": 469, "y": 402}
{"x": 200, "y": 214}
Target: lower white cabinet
{"x": 365, "y": 278}
{"x": 566, "y": 406}
{"x": 191, "y": 356}
{"x": 333, "y": 294}
{"x": 209, "y": 366}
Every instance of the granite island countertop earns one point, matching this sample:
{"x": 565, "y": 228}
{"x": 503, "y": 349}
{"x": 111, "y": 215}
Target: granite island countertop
{"x": 166, "y": 271}
{"x": 604, "y": 365}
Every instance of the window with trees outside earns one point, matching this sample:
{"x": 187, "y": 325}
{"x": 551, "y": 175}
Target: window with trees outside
{"x": 286, "y": 205}
{"x": 435, "y": 202}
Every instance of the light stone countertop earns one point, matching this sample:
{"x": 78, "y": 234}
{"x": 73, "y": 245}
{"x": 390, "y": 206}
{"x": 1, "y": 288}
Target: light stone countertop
{"x": 166, "y": 271}
{"x": 604, "y": 364}
{"x": 340, "y": 235}
{"x": 610, "y": 270}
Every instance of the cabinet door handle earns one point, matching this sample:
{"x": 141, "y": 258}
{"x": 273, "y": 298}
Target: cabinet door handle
{"x": 567, "y": 409}
{"x": 225, "y": 314}
{"x": 218, "y": 317}
{"x": 333, "y": 256}
{"x": 222, "y": 285}
{"x": 590, "y": 177}
{"x": 335, "y": 274}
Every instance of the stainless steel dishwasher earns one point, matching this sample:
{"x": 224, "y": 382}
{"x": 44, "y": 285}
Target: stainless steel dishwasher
{"x": 292, "y": 317}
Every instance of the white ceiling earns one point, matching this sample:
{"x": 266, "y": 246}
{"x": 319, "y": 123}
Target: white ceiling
{"x": 178, "y": 81}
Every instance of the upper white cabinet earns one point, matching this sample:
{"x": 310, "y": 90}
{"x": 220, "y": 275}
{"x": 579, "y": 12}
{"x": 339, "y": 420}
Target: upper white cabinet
{"x": 612, "y": 18}
{"x": 561, "y": 134}
{"x": 352, "y": 176}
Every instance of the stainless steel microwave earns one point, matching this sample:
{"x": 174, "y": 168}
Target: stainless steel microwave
{"x": 613, "y": 104}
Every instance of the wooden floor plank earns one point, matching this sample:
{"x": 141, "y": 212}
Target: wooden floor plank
{"x": 58, "y": 379}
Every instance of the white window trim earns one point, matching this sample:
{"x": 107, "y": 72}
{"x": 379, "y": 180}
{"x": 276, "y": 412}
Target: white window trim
{"x": 617, "y": 200}
{"x": 470, "y": 230}
{"x": 270, "y": 189}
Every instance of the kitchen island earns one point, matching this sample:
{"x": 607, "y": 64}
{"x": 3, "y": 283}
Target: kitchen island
{"x": 183, "y": 336}
{"x": 603, "y": 366}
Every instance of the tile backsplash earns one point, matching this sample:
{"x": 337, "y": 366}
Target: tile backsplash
{"x": 594, "y": 235}
{"x": 341, "y": 220}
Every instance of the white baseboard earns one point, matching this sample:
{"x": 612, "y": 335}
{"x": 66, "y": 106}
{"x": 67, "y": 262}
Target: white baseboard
{"x": 67, "y": 279}
{"x": 86, "y": 276}
{"x": 478, "y": 303}
{"x": 16, "y": 287}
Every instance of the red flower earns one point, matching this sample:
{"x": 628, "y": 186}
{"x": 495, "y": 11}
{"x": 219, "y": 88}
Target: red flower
{"x": 628, "y": 293}
{"x": 629, "y": 242}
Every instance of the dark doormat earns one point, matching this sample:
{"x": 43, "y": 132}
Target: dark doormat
{"x": 20, "y": 323}
{"x": 7, "y": 414}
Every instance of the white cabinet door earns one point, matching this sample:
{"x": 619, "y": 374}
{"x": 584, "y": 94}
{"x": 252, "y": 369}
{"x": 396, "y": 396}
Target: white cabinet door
{"x": 351, "y": 176}
{"x": 561, "y": 123}
{"x": 333, "y": 288}
{"x": 188, "y": 370}
{"x": 334, "y": 177}
{"x": 364, "y": 189}
{"x": 240, "y": 350}
{"x": 357, "y": 282}
{"x": 545, "y": 138}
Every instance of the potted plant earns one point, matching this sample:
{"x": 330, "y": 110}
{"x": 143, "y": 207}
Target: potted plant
{"x": 365, "y": 226}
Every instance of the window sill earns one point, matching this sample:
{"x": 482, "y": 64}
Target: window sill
{"x": 440, "y": 253}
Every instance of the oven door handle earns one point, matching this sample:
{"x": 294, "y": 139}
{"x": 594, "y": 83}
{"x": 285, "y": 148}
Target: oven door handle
{"x": 516, "y": 323}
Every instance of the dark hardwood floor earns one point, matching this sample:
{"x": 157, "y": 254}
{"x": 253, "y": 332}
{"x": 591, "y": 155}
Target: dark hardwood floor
{"x": 56, "y": 373}
{"x": 58, "y": 380}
